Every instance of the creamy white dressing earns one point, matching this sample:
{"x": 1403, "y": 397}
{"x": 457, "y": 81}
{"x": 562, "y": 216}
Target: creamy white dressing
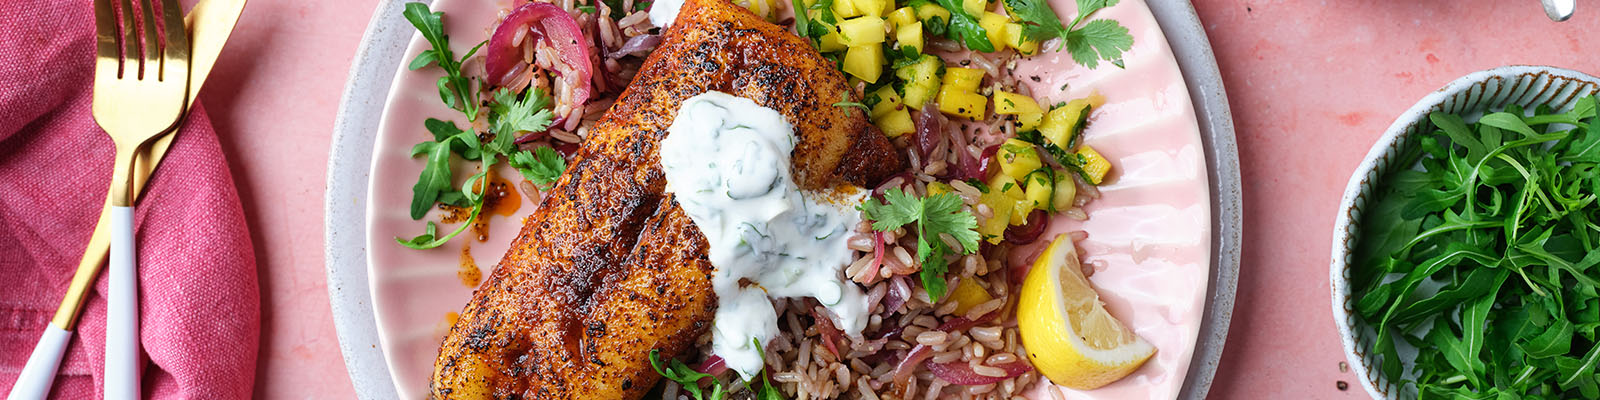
{"x": 662, "y": 12}
{"x": 726, "y": 160}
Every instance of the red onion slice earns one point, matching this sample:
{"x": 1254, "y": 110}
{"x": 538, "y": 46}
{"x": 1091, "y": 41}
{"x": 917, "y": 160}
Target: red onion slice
{"x": 553, "y": 27}
{"x": 1028, "y": 232}
{"x": 636, "y": 46}
{"x": 908, "y": 365}
{"x": 961, "y": 373}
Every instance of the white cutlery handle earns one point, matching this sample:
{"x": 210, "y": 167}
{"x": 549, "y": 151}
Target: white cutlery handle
{"x": 40, "y": 372}
{"x": 122, "y": 310}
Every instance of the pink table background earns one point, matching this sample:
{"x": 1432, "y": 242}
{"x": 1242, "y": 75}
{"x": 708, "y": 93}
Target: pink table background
{"x": 1312, "y": 84}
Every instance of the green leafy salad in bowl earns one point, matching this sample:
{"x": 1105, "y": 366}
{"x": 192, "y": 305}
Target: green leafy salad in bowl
{"x": 1467, "y": 260}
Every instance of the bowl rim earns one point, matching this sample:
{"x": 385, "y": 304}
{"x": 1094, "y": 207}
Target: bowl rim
{"x": 1347, "y": 219}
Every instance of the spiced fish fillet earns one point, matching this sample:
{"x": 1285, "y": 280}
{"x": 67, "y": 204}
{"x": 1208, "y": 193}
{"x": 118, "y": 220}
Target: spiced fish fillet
{"x": 609, "y": 267}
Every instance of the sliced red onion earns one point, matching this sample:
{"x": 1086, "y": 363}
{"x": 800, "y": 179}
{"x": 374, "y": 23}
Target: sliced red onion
{"x": 908, "y": 365}
{"x": 636, "y": 46}
{"x": 532, "y": 136}
{"x": 1028, "y": 232}
{"x": 958, "y": 324}
{"x": 897, "y": 295}
{"x": 713, "y": 366}
{"x": 930, "y": 130}
{"x": 553, "y": 27}
{"x": 830, "y": 335}
{"x": 961, "y": 373}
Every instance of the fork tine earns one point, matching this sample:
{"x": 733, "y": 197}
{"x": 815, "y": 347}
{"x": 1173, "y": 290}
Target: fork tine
{"x": 107, "y": 40}
{"x": 151, "y": 42}
{"x": 130, "y": 42}
{"x": 176, "y": 48}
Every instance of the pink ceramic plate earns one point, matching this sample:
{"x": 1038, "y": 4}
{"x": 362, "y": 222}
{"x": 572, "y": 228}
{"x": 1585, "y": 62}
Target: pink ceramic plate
{"x": 1149, "y": 236}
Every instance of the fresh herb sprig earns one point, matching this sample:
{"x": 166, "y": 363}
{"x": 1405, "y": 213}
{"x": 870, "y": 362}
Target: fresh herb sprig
{"x": 964, "y": 27}
{"x": 935, "y": 215}
{"x": 456, "y": 90}
{"x": 686, "y": 377}
{"x": 689, "y": 379}
{"x": 1088, "y": 41}
{"x": 1483, "y": 257}
{"x": 508, "y": 115}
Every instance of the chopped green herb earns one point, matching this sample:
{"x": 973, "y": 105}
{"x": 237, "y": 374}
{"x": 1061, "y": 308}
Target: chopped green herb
{"x": 686, "y": 377}
{"x": 935, "y": 215}
{"x": 1089, "y": 43}
{"x": 965, "y": 28}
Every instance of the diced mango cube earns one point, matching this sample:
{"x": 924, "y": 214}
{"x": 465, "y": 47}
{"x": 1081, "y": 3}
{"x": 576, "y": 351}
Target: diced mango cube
{"x": 994, "y": 228}
{"x": 994, "y": 26}
{"x": 969, "y": 294}
{"x": 871, "y": 7}
{"x": 962, "y": 103}
{"x": 1061, "y": 123}
{"x": 974, "y": 7}
{"x": 1017, "y": 159}
{"x": 1066, "y": 191}
{"x": 1095, "y": 165}
{"x": 910, "y": 35}
{"x": 865, "y": 62}
{"x": 1029, "y": 121}
{"x": 1015, "y": 40}
{"x": 895, "y": 123}
{"x": 883, "y": 101}
{"x": 902, "y": 17}
{"x": 963, "y": 79}
{"x": 1007, "y": 103}
{"x": 860, "y": 31}
{"x": 845, "y": 9}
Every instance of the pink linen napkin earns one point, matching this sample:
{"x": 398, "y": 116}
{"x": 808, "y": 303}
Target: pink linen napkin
{"x": 199, "y": 298}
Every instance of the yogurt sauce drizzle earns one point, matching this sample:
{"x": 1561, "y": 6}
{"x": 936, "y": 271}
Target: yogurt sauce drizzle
{"x": 727, "y": 162}
{"x": 663, "y": 12}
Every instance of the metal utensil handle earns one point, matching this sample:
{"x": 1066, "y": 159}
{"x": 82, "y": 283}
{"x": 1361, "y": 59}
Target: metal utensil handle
{"x": 122, "y": 312}
{"x": 1558, "y": 10}
{"x": 40, "y": 372}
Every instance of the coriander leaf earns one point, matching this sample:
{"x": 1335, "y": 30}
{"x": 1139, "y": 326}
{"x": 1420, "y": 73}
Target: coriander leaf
{"x": 899, "y": 208}
{"x": 942, "y": 214}
{"x": 1100, "y": 39}
{"x": 509, "y": 114}
{"x": 542, "y": 165}
{"x": 935, "y": 215}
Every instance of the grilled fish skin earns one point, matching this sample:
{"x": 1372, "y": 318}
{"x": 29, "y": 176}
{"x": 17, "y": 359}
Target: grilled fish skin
{"x": 609, "y": 267}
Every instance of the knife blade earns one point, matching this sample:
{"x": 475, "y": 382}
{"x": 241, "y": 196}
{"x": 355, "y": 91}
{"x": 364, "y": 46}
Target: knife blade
{"x": 210, "y": 23}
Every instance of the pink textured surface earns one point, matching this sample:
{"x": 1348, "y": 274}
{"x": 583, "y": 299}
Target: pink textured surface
{"x": 199, "y": 299}
{"x": 1313, "y": 84}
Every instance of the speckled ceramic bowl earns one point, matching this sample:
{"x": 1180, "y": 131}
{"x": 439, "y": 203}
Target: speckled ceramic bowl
{"x": 1471, "y": 96}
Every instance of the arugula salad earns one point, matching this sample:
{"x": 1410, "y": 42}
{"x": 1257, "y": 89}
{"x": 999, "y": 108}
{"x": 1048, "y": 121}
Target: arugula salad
{"x": 1482, "y": 257}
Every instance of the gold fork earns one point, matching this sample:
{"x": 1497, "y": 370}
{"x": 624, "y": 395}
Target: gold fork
{"x": 140, "y": 84}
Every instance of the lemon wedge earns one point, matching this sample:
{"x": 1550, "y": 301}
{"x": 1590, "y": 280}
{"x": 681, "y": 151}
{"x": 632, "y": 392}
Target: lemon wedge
{"x": 1069, "y": 336}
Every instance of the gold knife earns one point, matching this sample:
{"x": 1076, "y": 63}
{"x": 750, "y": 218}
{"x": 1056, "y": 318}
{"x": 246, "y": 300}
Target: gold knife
{"x": 210, "y": 23}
